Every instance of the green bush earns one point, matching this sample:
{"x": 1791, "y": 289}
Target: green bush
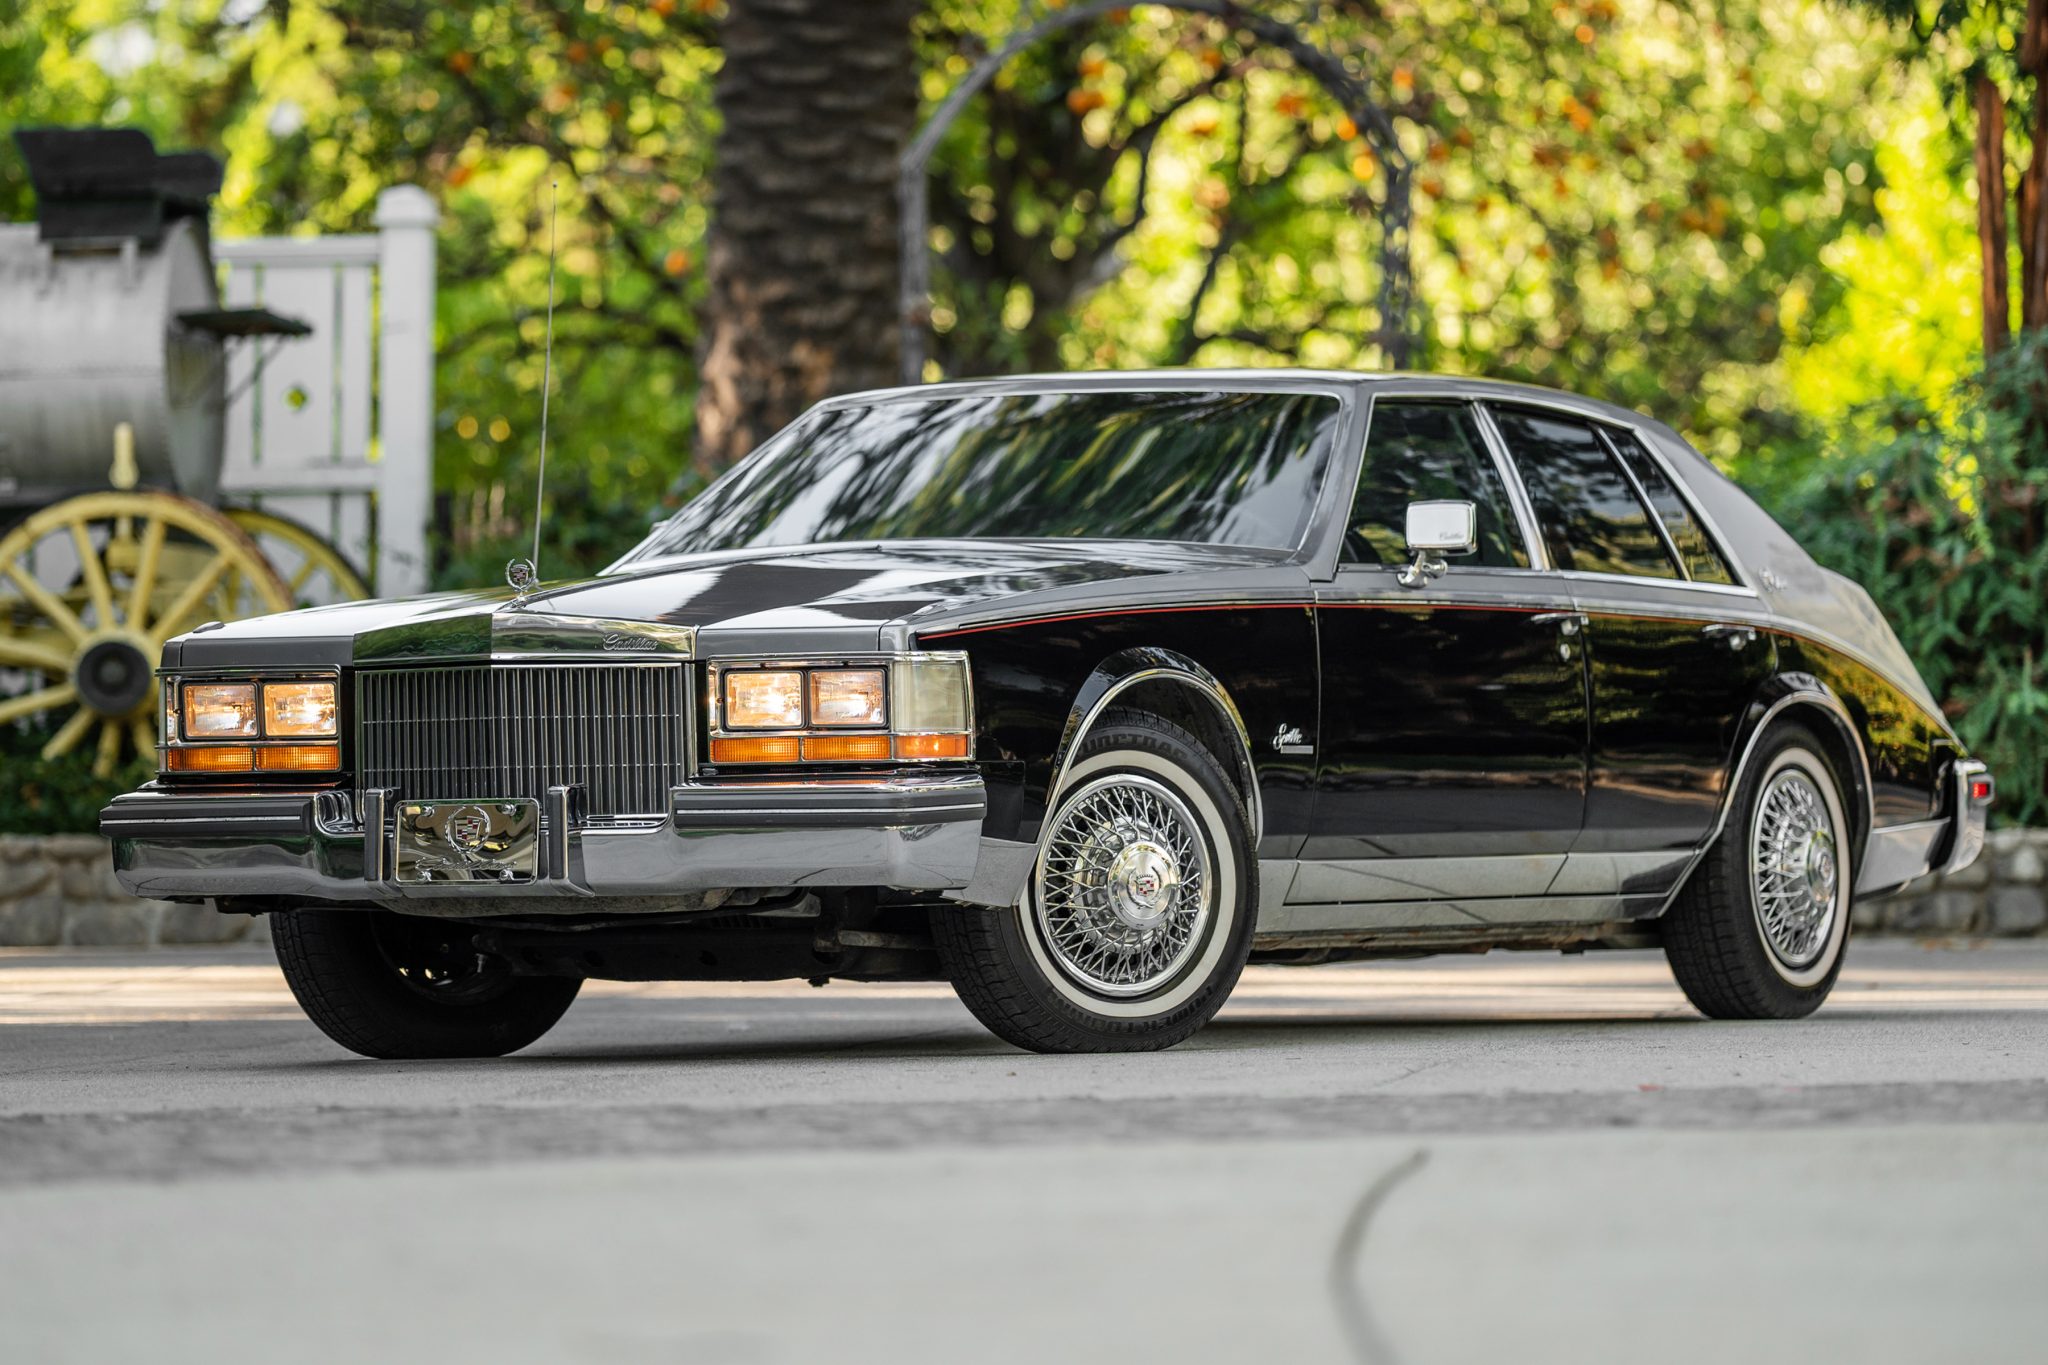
{"x": 1938, "y": 511}
{"x": 61, "y": 795}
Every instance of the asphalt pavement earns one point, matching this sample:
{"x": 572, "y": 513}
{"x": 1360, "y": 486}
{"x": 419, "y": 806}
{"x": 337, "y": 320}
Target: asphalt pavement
{"x": 1515, "y": 1157}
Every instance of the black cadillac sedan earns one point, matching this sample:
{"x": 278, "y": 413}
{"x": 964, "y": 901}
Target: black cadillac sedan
{"x": 1079, "y": 692}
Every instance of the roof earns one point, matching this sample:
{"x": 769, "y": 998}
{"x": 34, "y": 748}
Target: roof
{"x": 1257, "y": 377}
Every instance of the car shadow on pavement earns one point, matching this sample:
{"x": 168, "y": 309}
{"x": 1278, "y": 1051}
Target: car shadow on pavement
{"x": 968, "y": 1043}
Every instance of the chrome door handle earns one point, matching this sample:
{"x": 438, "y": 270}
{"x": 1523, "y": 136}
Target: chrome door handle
{"x": 1737, "y": 637}
{"x": 1568, "y": 623}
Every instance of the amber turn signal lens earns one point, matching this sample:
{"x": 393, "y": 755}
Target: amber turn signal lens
{"x": 227, "y": 758}
{"x": 298, "y": 758}
{"x": 755, "y": 749}
{"x": 846, "y": 748}
{"x": 931, "y": 746}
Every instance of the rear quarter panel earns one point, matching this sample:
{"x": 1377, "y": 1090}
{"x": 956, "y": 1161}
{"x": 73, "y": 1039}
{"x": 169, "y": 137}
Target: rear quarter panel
{"x": 1908, "y": 748}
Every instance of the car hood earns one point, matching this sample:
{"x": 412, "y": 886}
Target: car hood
{"x": 823, "y": 599}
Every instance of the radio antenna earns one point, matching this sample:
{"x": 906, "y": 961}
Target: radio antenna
{"x": 524, "y": 574}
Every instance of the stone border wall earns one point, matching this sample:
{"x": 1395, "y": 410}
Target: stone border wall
{"x": 2001, "y": 895}
{"x": 59, "y": 890}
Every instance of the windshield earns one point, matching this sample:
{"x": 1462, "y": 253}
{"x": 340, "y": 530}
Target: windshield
{"x": 1218, "y": 468}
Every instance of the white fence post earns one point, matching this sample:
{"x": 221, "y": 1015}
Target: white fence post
{"x": 406, "y": 219}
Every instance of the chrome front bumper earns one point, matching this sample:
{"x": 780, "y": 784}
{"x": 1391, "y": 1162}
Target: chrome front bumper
{"x": 915, "y": 832}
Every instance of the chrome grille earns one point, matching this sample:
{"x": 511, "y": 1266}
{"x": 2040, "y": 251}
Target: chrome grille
{"x": 470, "y": 732}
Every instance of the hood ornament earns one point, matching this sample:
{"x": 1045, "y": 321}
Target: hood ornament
{"x": 521, "y": 576}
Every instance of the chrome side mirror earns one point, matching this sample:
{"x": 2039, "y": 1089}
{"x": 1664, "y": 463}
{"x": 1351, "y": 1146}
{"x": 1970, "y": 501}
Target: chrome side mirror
{"x": 1434, "y": 530}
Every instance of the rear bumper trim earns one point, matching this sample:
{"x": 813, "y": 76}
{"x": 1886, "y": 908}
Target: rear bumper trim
{"x": 1970, "y": 818}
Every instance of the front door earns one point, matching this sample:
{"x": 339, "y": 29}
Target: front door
{"x": 1451, "y": 778}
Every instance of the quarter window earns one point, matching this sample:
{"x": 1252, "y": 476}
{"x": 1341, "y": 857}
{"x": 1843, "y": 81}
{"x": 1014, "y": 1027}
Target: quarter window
{"x": 1703, "y": 563}
{"x": 1422, "y": 451}
{"x": 1590, "y": 516}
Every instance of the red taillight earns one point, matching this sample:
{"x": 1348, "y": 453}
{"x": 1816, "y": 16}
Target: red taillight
{"x": 1980, "y": 789}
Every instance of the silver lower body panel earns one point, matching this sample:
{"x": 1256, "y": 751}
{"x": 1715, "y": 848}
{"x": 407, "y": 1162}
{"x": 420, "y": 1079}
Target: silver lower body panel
{"x": 1897, "y": 854}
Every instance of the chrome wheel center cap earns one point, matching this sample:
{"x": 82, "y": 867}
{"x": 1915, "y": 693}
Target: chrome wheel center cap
{"x": 1820, "y": 871}
{"x": 1142, "y": 880}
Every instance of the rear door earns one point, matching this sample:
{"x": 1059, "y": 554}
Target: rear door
{"x": 1674, "y": 656}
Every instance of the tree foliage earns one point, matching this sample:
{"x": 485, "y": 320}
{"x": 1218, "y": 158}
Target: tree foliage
{"x": 1938, "y": 511}
{"x": 1613, "y": 197}
{"x": 1750, "y": 218}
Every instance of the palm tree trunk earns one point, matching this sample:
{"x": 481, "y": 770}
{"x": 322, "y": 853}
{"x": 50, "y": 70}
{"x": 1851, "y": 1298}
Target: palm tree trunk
{"x": 2033, "y": 212}
{"x": 1992, "y": 241}
{"x": 818, "y": 98}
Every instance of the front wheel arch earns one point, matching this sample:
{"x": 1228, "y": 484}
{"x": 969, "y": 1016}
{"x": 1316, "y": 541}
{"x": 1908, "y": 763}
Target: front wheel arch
{"x": 1175, "y": 688}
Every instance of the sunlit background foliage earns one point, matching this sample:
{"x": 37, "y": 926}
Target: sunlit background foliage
{"x": 1752, "y": 218}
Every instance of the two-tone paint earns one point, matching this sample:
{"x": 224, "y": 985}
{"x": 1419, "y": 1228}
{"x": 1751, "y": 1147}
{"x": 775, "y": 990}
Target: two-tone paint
{"x": 1503, "y": 753}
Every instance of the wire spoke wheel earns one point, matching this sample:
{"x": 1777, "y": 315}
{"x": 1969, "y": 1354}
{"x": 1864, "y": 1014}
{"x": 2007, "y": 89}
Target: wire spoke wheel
{"x": 315, "y": 573}
{"x": 1795, "y": 868}
{"x": 1124, "y": 887}
{"x": 91, "y": 588}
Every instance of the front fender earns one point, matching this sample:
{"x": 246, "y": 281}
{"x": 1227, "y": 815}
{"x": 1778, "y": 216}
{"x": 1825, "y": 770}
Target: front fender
{"x": 1129, "y": 668}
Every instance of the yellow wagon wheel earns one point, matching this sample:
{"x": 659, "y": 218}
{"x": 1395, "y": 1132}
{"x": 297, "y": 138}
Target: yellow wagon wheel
{"x": 314, "y": 571}
{"x": 91, "y": 587}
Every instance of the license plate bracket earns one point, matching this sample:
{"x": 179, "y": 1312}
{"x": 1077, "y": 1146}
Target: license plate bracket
{"x": 442, "y": 842}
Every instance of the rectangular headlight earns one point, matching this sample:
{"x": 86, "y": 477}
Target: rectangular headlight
{"x": 849, "y": 696}
{"x": 220, "y": 710}
{"x": 298, "y": 710}
{"x": 764, "y": 699}
{"x": 913, "y": 708}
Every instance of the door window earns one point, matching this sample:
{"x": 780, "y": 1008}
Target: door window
{"x": 1703, "y": 563}
{"x": 1422, "y": 451}
{"x": 1591, "y": 519}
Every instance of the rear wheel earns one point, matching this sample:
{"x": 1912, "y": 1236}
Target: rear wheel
{"x": 403, "y": 986}
{"x": 1139, "y": 915}
{"x": 1759, "y": 931}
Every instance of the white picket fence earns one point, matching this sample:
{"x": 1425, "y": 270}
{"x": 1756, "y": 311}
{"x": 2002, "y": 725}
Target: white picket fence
{"x": 336, "y": 429}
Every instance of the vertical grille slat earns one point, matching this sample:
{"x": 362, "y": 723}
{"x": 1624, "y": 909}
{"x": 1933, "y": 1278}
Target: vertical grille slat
{"x": 470, "y": 732}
